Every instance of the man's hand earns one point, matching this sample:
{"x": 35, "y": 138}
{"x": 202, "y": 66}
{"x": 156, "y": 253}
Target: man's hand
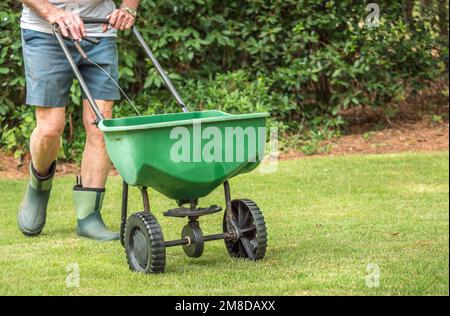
{"x": 69, "y": 23}
{"x": 120, "y": 19}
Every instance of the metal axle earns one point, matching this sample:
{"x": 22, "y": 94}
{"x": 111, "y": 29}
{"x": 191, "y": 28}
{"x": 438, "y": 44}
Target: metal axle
{"x": 186, "y": 241}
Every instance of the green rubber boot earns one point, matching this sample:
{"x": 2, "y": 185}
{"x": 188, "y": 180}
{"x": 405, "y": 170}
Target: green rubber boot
{"x": 88, "y": 203}
{"x": 33, "y": 209}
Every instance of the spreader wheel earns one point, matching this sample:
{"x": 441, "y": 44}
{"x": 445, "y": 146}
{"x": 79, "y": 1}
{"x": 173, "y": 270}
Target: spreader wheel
{"x": 144, "y": 244}
{"x": 248, "y": 219}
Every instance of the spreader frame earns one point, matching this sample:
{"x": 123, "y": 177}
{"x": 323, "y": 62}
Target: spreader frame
{"x": 244, "y": 229}
{"x": 231, "y": 235}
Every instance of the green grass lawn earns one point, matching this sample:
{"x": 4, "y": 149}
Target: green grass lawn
{"x": 328, "y": 218}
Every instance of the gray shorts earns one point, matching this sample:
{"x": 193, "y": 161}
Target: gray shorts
{"x": 49, "y": 76}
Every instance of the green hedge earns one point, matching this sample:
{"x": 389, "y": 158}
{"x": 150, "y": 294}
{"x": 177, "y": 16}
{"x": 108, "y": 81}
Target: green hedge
{"x": 303, "y": 61}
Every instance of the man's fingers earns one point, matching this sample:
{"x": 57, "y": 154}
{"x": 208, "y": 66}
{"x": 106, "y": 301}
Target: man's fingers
{"x": 74, "y": 34}
{"x": 76, "y": 27}
{"x": 120, "y": 19}
{"x": 69, "y": 26}
{"x": 125, "y": 22}
{"x": 130, "y": 24}
{"x": 73, "y": 27}
{"x": 106, "y": 25}
{"x": 62, "y": 27}
{"x": 113, "y": 18}
{"x": 81, "y": 26}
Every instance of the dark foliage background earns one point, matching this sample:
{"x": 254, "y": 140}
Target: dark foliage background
{"x": 301, "y": 60}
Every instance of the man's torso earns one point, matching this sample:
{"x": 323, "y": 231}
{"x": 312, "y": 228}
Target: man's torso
{"x": 85, "y": 8}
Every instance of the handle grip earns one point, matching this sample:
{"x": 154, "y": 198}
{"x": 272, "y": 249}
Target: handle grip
{"x": 95, "y": 20}
{"x": 89, "y": 39}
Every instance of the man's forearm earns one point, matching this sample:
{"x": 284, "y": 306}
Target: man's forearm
{"x": 42, "y": 7}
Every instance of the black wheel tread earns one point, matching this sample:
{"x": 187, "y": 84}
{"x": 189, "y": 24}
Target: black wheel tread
{"x": 158, "y": 250}
{"x": 261, "y": 230}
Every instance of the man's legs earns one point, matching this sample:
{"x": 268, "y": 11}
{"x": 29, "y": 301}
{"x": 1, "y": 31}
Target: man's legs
{"x": 46, "y": 138}
{"x": 90, "y": 191}
{"x": 95, "y": 165}
{"x": 45, "y": 143}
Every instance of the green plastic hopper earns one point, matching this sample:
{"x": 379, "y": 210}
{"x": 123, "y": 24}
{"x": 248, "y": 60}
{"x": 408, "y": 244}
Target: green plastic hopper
{"x": 185, "y": 155}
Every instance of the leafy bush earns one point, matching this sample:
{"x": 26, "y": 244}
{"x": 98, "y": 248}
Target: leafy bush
{"x": 301, "y": 60}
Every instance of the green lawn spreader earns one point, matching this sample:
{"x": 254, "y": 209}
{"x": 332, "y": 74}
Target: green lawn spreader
{"x": 184, "y": 156}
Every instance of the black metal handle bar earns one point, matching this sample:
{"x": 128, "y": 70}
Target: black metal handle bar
{"x": 80, "y": 78}
{"x": 91, "y": 40}
{"x": 160, "y": 69}
{"x": 95, "y": 21}
{"x": 83, "y": 84}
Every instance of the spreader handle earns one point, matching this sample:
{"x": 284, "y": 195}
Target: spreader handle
{"x": 150, "y": 55}
{"x": 160, "y": 69}
{"x": 83, "y": 85}
{"x": 95, "y": 21}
